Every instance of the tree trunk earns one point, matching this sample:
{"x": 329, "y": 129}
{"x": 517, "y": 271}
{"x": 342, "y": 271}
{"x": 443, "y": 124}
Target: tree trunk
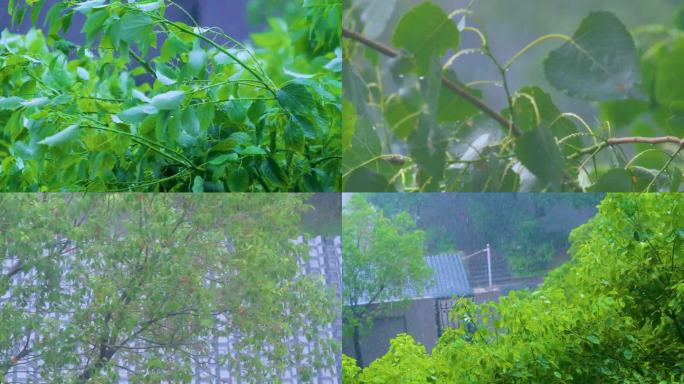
{"x": 106, "y": 354}
{"x": 357, "y": 346}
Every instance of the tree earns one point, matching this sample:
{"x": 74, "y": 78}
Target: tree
{"x": 147, "y": 283}
{"x": 383, "y": 258}
{"x": 613, "y": 314}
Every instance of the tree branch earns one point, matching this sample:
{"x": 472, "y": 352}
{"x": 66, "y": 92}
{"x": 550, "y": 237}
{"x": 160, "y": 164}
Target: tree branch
{"x": 450, "y": 85}
{"x": 143, "y": 63}
{"x": 629, "y": 140}
{"x": 15, "y": 359}
{"x": 16, "y": 268}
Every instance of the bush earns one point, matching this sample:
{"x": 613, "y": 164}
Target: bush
{"x": 613, "y": 314}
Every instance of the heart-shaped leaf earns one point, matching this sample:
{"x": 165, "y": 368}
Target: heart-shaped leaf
{"x": 426, "y": 31}
{"x": 600, "y": 63}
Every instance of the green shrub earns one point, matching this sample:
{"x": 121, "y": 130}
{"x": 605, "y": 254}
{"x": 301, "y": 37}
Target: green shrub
{"x": 613, "y": 314}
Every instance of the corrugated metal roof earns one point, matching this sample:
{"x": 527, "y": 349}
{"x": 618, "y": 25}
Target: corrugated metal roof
{"x": 449, "y": 277}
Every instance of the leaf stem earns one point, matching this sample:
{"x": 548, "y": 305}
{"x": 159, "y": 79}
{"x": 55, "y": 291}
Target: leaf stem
{"x": 218, "y": 47}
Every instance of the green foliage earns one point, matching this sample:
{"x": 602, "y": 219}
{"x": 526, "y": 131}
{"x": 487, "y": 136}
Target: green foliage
{"x": 405, "y": 363}
{"x": 147, "y": 281}
{"x": 196, "y": 115}
{"x": 349, "y": 370}
{"x": 416, "y": 127}
{"x": 383, "y": 258}
{"x": 613, "y": 314}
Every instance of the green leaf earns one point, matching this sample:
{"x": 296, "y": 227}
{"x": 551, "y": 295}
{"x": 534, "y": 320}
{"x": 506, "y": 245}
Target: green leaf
{"x": 669, "y": 76}
{"x": 253, "y": 150}
{"x": 535, "y": 107}
{"x": 198, "y": 185}
{"x": 85, "y": 6}
{"x": 365, "y": 180}
{"x": 274, "y": 173}
{"x": 37, "y": 102}
{"x": 138, "y": 113}
{"x": 224, "y": 159}
{"x": 601, "y": 63}
{"x": 236, "y": 111}
{"x": 348, "y": 123}
{"x": 537, "y": 151}
{"x": 426, "y": 31}
{"x": 593, "y": 339}
{"x": 61, "y": 137}
{"x": 137, "y": 26}
{"x": 172, "y": 47}
{"x": 197, "y": 59}
{"x": 238, "y": 179}
{"x": 169, "y": 100}
{"x": 164, "y": 75}
{"x": 452, "y": 107}
{"x": 615, "y": 180}
{"x": 296, "y": 99}
{"x": 149, "y": 7}
{"x": 10, "y": 103}
{"x": 294, "y": 136}
{"x": 94, "y": 24}
{"x": 403, "y": 115}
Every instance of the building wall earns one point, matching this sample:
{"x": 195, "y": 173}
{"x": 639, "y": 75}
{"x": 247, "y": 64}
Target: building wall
{"x": 418, "y": 319}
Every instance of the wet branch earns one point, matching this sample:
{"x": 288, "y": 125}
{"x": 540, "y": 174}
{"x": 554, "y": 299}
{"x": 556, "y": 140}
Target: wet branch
{"x": 629, "y": 140}
{"x": 450, "y": 85}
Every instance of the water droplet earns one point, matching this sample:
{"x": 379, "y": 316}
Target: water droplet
{"x": 421, "y": 78}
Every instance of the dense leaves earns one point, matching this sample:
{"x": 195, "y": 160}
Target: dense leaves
{"x": 96, "y": 285}
{"x": 383, "y": 259}
{"x": 409, "y": 132}
{"x": 613, "y": 314}
{"x": 165, "y": 106}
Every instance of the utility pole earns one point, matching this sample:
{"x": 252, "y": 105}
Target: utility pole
{"x": 489, "y": 265}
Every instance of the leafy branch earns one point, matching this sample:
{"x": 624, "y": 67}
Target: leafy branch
{"x": 451, "y": 85}
{"x": 428, "y": 130}
{"x": 215, "y": 114}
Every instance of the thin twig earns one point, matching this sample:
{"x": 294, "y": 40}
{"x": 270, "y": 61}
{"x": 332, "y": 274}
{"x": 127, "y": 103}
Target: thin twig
{"x": 451, "y": 85}
{"x": 629, "y": 140}
{"x": 143, "y": 63}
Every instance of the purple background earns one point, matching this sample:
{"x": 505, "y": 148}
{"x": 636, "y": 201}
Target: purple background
{"x": 229, "y": 15}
